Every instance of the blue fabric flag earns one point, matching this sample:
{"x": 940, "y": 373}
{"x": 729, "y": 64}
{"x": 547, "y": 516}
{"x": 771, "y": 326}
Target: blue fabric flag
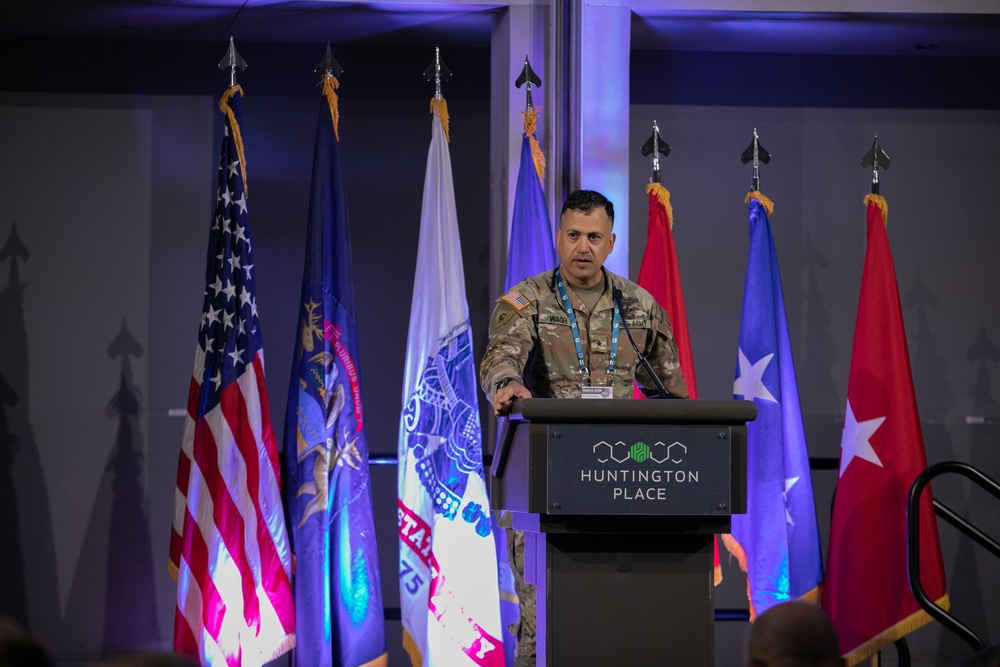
{"x": 777, "y": 540}
{"x": 531, "y": 248}
{"x": 530, "y": 251}
{"x": 338, "y": 592}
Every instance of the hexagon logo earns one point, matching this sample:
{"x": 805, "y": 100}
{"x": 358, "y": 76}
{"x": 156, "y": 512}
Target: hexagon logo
{"x": 659, "y": 452}
{"x": 676, "y": 452}
{"x": 620, "y": 452}
{"x": 603, "y": 451}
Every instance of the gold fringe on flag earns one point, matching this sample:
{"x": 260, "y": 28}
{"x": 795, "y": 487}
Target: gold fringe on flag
{"x": 237, "y": 137}
{"x": 664, "y": 196}
{"x": 330, "y": 84}
{"x": 440, "y": 109}
{"x": 879, "y": 201}
{"x": 537, "y": 156}
{"x": 736, "y": 550}
{"x": 759, "y": 196}
{"x": 899, "y": 630}
{"x": 412, "y": 649}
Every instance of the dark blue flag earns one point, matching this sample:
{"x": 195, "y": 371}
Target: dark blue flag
{"x": 531, "y": 248}
{"x": 778, "y": 539}
{"x": 338, "y": 592}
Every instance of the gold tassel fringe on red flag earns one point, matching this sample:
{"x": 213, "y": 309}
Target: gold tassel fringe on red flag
{"x": 663, "y": 196}
{"x": 879, "y": 201}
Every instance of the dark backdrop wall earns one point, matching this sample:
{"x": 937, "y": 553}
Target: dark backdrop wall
{"x": 107, "y": 175}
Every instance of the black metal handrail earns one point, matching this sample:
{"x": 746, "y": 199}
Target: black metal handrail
{"x": 913, "y": 539}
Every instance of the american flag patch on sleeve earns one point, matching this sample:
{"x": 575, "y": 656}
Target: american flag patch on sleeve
{"x": 515, "y": 299}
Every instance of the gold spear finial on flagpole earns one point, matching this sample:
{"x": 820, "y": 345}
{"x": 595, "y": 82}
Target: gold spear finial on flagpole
{"x": 231, "y": 61}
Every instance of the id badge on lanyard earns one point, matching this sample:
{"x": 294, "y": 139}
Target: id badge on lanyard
{"x": 588, "y": 390}
{"x": 591, "y": 391}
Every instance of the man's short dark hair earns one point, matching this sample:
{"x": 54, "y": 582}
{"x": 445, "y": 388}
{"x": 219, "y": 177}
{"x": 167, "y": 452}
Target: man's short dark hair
{"x": 588, "y": 200}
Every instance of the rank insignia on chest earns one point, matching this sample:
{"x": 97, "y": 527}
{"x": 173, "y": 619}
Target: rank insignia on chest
{"x": 515, "y": 299}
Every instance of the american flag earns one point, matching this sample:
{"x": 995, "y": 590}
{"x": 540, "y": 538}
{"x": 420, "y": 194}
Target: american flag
{"x": 229, "y": 549}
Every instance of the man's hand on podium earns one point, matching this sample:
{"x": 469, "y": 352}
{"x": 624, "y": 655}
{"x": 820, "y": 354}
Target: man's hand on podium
{"x": 505, "y": 395}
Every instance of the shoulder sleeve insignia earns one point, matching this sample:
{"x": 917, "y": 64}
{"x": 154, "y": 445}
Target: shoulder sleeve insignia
{"x": 515, "y": 299}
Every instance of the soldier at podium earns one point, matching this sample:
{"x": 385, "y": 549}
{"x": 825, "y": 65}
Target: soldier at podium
{"x": 556, "y": 335}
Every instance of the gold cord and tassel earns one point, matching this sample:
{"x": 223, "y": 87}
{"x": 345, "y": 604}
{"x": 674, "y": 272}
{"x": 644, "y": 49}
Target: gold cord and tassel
{"x": 759, "y": 196}
{"x": 440, "y": 109}
{"x": 537, "y": 156}
{"x": 663, "y": 195}
{"x": 330, "y": 85}
{"x": 237, "y": 137}
{"x": 879, "y": 201}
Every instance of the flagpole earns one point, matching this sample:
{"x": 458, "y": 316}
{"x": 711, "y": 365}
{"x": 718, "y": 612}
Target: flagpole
{"x": 659, "y": 274}
{"x": 229, "y": 549}
{"x": 882, "y": 452}
{"x": 447, "y": 551}
{"x": 776, "y": 542}
{"x": 530, "y": 249}
{"x": 339, "y": 608}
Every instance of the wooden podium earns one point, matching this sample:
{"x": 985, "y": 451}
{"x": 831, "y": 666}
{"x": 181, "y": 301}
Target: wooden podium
{"x": 619, "y": 500}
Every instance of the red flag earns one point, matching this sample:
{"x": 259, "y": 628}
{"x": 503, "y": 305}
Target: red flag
{"x": 660, "y": 275}
{"x": 866, "y": 592}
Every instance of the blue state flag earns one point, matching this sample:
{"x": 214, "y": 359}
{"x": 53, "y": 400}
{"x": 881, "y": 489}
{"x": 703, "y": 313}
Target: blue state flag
{"x": 531, "y": 248}
{"x": 529, "y": 251}
{"x": 338, "y": 592}
{"x": 777, "y": 540}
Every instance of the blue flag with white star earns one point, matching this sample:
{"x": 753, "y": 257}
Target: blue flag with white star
{"x": 338, "y": 590}
{"x": 777, "y": 540}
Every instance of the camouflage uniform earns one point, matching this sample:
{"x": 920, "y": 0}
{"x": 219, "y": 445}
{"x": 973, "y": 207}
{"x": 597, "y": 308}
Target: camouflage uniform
{"x": 531, "y": 341}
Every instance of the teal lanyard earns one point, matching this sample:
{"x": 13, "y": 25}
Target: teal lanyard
{"x": 571, "y": 316}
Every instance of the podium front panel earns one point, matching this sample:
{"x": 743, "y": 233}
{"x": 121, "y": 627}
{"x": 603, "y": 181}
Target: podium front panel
{"x": 639, "y": 469}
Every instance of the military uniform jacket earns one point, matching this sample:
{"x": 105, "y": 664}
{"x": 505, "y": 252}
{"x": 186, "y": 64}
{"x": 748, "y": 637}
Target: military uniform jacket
{"x": 531, "y": 341}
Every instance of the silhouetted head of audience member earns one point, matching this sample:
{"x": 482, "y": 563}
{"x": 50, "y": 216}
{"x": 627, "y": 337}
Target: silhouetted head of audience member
{"x": 19, "y": 648}
{"x": 793, "y": 634}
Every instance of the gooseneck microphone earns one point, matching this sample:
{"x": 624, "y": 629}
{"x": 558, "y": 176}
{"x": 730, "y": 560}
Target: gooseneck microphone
{"x": 616, "y": 295}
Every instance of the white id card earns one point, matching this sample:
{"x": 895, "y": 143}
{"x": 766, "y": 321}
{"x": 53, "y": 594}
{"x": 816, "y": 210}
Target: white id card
{"x": 590, "y": 391}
